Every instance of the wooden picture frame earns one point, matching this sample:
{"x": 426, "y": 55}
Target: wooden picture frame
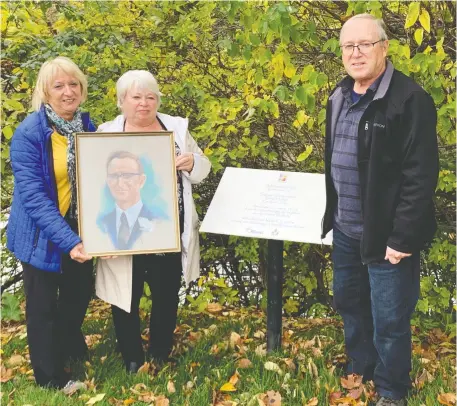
{"x": 127, "y": 195}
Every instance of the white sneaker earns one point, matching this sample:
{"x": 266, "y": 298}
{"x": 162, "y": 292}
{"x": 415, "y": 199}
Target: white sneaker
{"x": 73, "y": 386}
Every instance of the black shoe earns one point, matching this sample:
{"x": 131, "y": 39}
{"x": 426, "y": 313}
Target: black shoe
{"x": 132, "y": 367}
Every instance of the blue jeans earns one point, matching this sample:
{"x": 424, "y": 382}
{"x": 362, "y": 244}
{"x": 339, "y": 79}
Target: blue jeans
{"x": 376, "y": 302}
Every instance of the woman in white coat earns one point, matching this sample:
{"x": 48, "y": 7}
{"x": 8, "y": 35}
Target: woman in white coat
{"x": 120, "y": 280}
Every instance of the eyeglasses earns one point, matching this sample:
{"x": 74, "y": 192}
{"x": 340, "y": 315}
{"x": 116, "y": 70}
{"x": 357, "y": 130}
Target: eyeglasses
{"x": 364, "y": 48}
{"x": 126, "y": 176}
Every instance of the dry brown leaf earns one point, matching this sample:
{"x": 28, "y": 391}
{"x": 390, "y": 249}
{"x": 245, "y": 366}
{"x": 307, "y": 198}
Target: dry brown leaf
{"x": 261, "y": 350}
{"x": 312, "y": 368}
{"x": 171, "y": 387}
{"x": 234, "y": 378}
{"x": 356, "y": 393}
{"x": 5, "y": 374}
{"x": 271, "y": 398}
{"x": 346, "y": 401}
{"x": 195, "y": 336}
{"x": 244, "y": 363}
{"x": 259, "y": 334}
{"x": 424, "y": 377}
{"x": 92, "y": 339}
{"x": 308, "y": 344}
{"x": 334, "y": 396}
{"x": 15, "y": 360}
{"x": 147, "y": 397}
{"x": 144, "y": 368}
{"x": 214, "y": 308}
{"x": 290, "y": 364}
{"x": 312, "y": 402}
{"x": 271, "y": 366}
{"x": 139, "y": 389}
{"x": 161, "y": 401}
{"x": 447, "y": 399}
{"x": 351, "y": 381}
{"x": 235, "y": 339}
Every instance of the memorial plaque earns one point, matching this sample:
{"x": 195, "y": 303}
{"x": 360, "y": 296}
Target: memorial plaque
{"x": 269, "y": 204}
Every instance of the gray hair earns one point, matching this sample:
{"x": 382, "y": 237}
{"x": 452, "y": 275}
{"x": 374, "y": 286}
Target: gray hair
{"x": 380, "y": 25}
{"x": 141, "y": 79}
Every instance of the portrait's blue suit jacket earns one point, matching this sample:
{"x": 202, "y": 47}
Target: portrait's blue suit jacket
{"x": 109, "y": 224}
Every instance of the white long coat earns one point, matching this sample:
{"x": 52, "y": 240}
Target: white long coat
{"x": 113, "y": 281}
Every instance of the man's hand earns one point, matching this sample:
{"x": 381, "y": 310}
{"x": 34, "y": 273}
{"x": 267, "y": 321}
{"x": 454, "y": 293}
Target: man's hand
{"x": 394, "y": 257}
{"x": 78, "y": 254}
{"x": 185, "y": 162}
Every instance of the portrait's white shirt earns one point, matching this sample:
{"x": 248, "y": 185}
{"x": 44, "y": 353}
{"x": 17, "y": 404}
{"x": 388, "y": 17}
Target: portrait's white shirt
{"x": 132, "y": 214}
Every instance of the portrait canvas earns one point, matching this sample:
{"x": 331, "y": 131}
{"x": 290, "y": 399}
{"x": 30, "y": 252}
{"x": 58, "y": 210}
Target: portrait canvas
{"x": 127, "y": 193}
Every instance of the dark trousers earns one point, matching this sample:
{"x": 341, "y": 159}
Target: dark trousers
{"x": 376, "y": 302}
{"x": 163, "y": 275}
{"x": 56, "y": 304}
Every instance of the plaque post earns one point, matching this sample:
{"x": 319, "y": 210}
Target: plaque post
{"x": 275, "y": 272}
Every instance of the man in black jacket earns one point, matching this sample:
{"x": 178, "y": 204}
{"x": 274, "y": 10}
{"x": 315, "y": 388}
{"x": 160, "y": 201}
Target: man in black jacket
{"x": 381, "y": 171}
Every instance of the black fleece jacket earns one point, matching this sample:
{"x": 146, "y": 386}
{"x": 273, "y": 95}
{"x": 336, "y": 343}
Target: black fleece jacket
{"x": 398, "y": 167}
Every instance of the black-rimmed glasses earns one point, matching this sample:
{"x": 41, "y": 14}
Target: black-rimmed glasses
{"x": 126, "y": 176}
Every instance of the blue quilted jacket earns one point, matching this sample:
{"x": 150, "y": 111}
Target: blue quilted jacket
{"x": 37, "y": 233}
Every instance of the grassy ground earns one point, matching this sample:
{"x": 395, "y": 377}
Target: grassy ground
{"x": 221, "y": 360}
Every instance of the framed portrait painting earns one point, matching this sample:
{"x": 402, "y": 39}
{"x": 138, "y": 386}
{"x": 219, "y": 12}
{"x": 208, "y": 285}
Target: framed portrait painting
{"x": 127, "y": 193}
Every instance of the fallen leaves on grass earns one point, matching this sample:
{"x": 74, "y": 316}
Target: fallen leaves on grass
{"x": 234, "y": 378}
{"x": 351, "y": 381}
{"x": 271, "y": 366}
{"x": 312, "y": 402}
{"x": 171, "y": 387}
{"x": 261, "y": 350}
{"x": 421, "y": 379}
{"x": 95, "y": 399}
{"x": 92, "y": 339}
{"x": 244, "y": 363}
{"x": 271, "y": 398}
{"x": 290, "y": 364}
{"x": 15, "y": 360}
{"x": 447, "y": 399}
{"x": 161, "y": 401}
{"x": 228, "y": 387}
{"x": 358, "y": 394}
{"x": 5, "y": 374}
{"x": 235, "y": 339}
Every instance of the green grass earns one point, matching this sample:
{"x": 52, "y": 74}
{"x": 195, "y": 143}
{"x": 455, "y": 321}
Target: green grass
{"x": 206, "y": 360}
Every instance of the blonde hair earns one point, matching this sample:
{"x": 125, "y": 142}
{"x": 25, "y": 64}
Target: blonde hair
{"x": 141, "y": 79}
{"x": 48, "y": 72}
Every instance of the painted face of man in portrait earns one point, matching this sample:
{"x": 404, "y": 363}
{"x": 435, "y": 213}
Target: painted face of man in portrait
{"x": 125, "y": 179}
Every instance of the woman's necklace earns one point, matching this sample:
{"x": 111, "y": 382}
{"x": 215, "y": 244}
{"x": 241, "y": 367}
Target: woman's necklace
{"x": 155, "y": 126}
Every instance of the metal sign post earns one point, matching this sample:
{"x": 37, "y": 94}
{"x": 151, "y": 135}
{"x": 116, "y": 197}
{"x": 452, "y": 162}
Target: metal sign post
{"x": 275, "y": 270}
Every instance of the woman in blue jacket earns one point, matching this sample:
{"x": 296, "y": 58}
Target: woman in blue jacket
{"x": 42, "y": 227}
